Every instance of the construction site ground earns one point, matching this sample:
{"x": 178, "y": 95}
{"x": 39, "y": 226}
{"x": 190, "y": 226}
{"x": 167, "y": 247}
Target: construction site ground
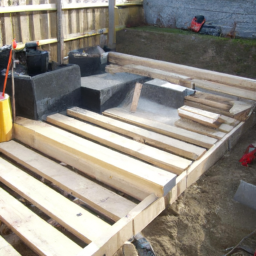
{"x": 205, "y": 219}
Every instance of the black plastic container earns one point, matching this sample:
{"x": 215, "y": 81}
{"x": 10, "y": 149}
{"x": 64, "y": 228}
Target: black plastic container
{"x": 88, "y": 59}
{"x": 37, "y": 62}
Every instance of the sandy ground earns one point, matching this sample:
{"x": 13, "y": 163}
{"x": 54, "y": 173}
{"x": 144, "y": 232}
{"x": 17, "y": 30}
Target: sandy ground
{"x": 205, "y": 219}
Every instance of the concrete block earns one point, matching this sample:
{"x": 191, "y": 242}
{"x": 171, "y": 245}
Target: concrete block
{"x": 50, "y": 92}
{"x": 165, "y": 93}
{"x": 100, "y": 92}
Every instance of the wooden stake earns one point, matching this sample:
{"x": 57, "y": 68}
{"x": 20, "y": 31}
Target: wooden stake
{"x": 136, "y": 97}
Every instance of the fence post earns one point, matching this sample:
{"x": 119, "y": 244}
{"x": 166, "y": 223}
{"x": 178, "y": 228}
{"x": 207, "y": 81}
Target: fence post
{"x": 60, "y": 39}
{"x": 111, "y": 27}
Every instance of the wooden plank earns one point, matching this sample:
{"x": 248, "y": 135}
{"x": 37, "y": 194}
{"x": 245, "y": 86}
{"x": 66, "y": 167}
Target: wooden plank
{"x": 137, "y": 133}
{"x": 210, "y": 103}
{"x": 7, "y": 24}
{"x": 99, "y": 173}
{"x": 36, "y": 23}
{"x": 152, "y": 73}
{"x": 146, "y": 177}
{"x": 240, "y": 106}
{"x": 28, "y": 8}
{"x": 229, "y": 120}
{"x": 24, "y": 24}
{"x": 75, "y": 219}
{"x": 198, "y": 118}
{"x": 83, "y": 5}
{"x": 225, "y": 128}
{"x": 161, "y": 128}
{"x": 97, "y": 197}
{"x": 149, "y": 154}
{"x": 127, "y": 227}
{"x": 201, "y": 112}
{"x": 125, "y": 59}
{"x": 136, "y": 97}
{"x": 207, "y": 108}
{"x": 226, "y": 89}
{"x": 213, "y": 97}
{"x": 198, "y": 128}
{"x": 7, "y": 249}
{"x": 40, "y": 236}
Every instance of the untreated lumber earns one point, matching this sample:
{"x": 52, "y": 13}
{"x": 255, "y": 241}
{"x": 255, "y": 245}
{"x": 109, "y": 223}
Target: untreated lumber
{"x": 207, "y": 108}
{"x": 136, "y": 97}
{"x": 210, "y": 103}
{"x": 226, "y": 89}
{"x": 103, "y": 163}
{"x": 215, "y": 117}
{"x": 135, "y": 221}
{"x": 125, "y": 59}
{"x": 172, "y": 131}
{"x": 96, "y": 196}
{"x": 6, "y": 248}
{"x": 225, "y": 128}
{"x": 28, "y": 8}
{"x": 147, "y": 153}
{"x": 152, "y": 73}
{"x": 40, "y": 236}
{"x": 229, "y": 120}
{"x": 199, "y": 128}
{"x": 240, "y": 106}
{"x": 75, "y": 219}
{"x": 139, "y": 134}
{"x": 198, "y": 118}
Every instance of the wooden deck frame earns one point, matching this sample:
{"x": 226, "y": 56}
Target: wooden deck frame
{"x": 122, "y": 230}
{"x": 151, "y": 206}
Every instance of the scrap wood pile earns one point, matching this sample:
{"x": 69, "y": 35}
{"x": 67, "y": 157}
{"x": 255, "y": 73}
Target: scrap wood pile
{"x": 205, "y": 122}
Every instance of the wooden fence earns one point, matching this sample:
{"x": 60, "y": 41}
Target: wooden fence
{"x": 84, "y": 23}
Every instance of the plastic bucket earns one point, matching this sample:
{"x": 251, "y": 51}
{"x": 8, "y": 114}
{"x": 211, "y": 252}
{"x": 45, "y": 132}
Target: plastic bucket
{"x": 5, "y": 118}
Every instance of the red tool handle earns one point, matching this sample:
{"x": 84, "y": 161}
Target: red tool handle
{"x": 14, "y": 45}
{"x": 7, "y": 71}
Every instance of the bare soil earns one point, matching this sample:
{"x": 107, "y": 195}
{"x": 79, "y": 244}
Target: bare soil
{"x": 205, "y": 219}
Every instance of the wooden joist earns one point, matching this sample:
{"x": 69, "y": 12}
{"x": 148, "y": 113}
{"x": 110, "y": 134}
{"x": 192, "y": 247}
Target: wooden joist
{"x": 137, "y": 133}
{"x": 97, "y": 197}
{"x": 149, "y": 154}
{"x": 40, "y": 236}
{"x": 75, "y": 219}
{"x": 130, "y": 225}
{"x": 109, "y": 166}
{"x": 245, "y": 93}
{"x": 172, "y": 131}
{"x": 199, "y": 128}
{"x": 6, "y": 249}
{"x": 152, "y": 73}
{"x": 245, "y": 83}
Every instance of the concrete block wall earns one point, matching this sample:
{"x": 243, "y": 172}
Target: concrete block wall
{"x": 234, "y": 16}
